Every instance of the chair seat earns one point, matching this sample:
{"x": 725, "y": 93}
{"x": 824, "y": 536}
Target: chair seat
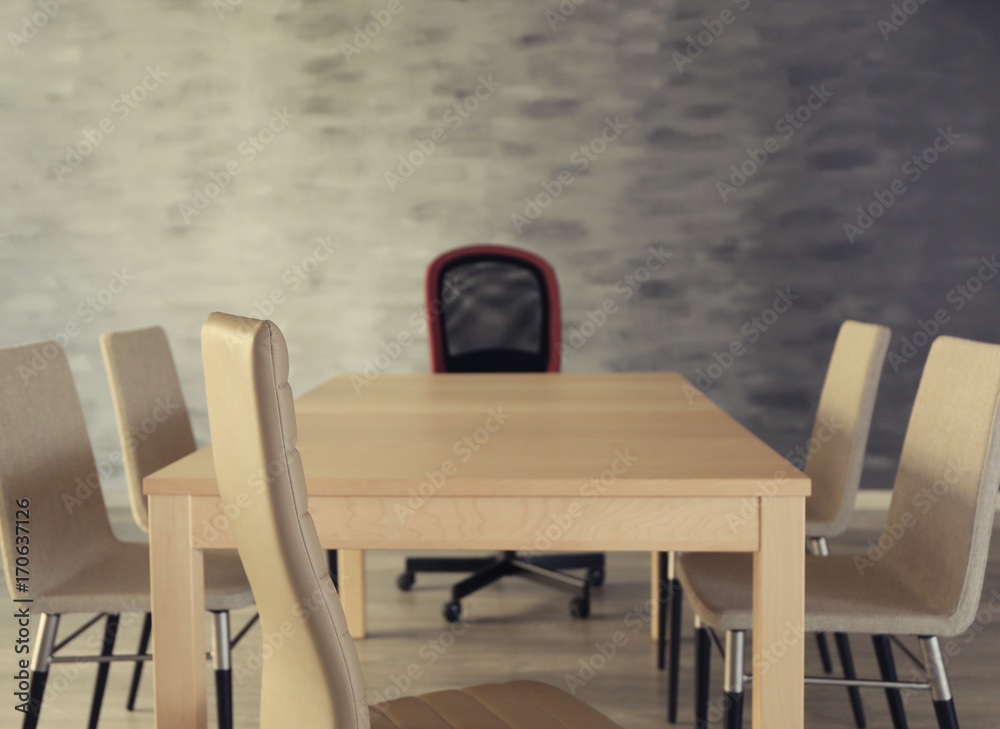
{"x": 841, "y": 597}
{"x": 514, "y": 705}
{"x": 119, "y": 583}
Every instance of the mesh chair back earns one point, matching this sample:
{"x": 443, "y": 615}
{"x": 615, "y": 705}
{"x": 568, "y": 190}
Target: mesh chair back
{"x": 493, "y": 309}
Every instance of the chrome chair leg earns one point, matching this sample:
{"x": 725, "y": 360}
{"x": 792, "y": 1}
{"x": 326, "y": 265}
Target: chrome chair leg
{"x": 944, "y": 702}
{"x": 222, "y": 663}
{"x": 734, "y": 678}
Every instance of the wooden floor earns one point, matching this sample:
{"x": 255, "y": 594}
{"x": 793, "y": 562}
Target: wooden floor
{"x": 523, "y": 630}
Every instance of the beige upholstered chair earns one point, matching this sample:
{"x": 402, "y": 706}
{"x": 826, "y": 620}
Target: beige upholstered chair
{"x": 48, "y": 478}
{"x": 155, "y": 430}
{"x": 314, "y": 679}
{"x": 928, "y": 580}
{"x": 833, "y": 459}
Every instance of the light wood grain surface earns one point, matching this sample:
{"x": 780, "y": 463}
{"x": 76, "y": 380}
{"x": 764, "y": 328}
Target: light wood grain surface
{"x": 602, "y": 461}
{"x": 519, "y": 435}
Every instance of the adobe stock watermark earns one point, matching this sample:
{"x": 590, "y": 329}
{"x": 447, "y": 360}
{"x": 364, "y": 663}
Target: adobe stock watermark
{"x": 38, "y": 20}
{"x": 92, "y": 137}
{"x": 138, "y": 434}
{"x": 430, "y": 653}
{"x": 751, "y": 329}
{"x": 561, "y": 14}
{"x": 714, "y": 27}
{"x": 248, "y": 149}
{"x": 225, "y": 7}
{"x": 901, "y": 12}
{"x": 86, "y": 312}
{"x": 294, "y": 277}
{"x": 624, "y": 289}
{"x": 452, "y": 119}
{"x": 825, "y": 431}
{"x": 365, "y": 34}
{"x": 923, "y": 501}
{"x": 463, "y": 449}
{"x": 557, "y": 525}
{"x": 582, "y": 158}
{"x": 951, "y": 647}
{"x": 63, "y": 675}
{"x": 786, "y": 126}
{"x": 391, "y": 350}
{"x": 606, "y": 651}
{"x": 958, "y": 297}
{"x": 912, "y": 170}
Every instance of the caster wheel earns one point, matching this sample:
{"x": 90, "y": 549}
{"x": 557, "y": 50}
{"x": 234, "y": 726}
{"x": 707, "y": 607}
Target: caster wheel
{"x": 405, "y": 581}
{"x": 579, "y": 608}
{"x": 596, "y": 578}
{"x": 452, "y": 611}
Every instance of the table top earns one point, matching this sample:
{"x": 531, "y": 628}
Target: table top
{"x": 526, "y": 434}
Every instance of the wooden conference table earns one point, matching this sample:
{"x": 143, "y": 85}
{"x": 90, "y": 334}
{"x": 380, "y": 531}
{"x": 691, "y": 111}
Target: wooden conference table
{"x": 597, "y": 462}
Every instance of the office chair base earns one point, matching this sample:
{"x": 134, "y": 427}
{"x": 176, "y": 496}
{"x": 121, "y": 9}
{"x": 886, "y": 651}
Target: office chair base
{"x": 494, "y": 569}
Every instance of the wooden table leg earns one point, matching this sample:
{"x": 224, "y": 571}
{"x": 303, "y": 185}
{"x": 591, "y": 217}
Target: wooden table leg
{"x": 351, "y": 586}
{"x": 178, "y": 590}
{"x": 778, "y": 615}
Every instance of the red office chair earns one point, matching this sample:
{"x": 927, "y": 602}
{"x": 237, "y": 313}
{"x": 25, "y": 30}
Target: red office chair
{"x": 493, "y": 308}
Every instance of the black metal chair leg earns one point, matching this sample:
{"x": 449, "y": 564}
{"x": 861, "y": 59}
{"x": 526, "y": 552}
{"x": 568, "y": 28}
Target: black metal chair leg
{"x": 945, "y": 713}
{"x": 331, "y": 566}
{"x": 222, "y": 663}
{"x": 702, "y": 670}
{"x": 133, "y": 691}
{"x": 35, "y": 692}
{"x": 45, "y": 641}
{"x": 107, "y": 647}
{"x": 887, "y": 666}
{"x": 662, "y": 605}
{"x": 224, "y": 697}
{"x": 824, "y": 652}
{"x": 674, "y": 674}
{"x": 843, "y": 644}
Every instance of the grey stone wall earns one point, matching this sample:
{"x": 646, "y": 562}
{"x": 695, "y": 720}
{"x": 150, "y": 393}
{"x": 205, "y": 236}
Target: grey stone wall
{"x": 212, "y": 145}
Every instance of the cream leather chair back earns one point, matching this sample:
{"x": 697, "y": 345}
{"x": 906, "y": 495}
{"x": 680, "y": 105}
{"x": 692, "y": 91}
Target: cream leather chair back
{"x": 153, "y": 422}
{"x": 843, "y": 421}
{"x": 46, "y": 459}
{"x": 313, "y": 678}
{"x": 943, "y": 502}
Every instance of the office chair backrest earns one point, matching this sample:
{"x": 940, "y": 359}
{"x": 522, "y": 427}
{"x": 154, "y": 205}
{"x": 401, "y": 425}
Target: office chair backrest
{"x": 843, "y": 420}
{"x": 493, "y": 308}
{"x": 941, "y": 516}
{"x": 47, "y": 463}
{"x": 153, "y": 422}
{"x": 313, "y": 678}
